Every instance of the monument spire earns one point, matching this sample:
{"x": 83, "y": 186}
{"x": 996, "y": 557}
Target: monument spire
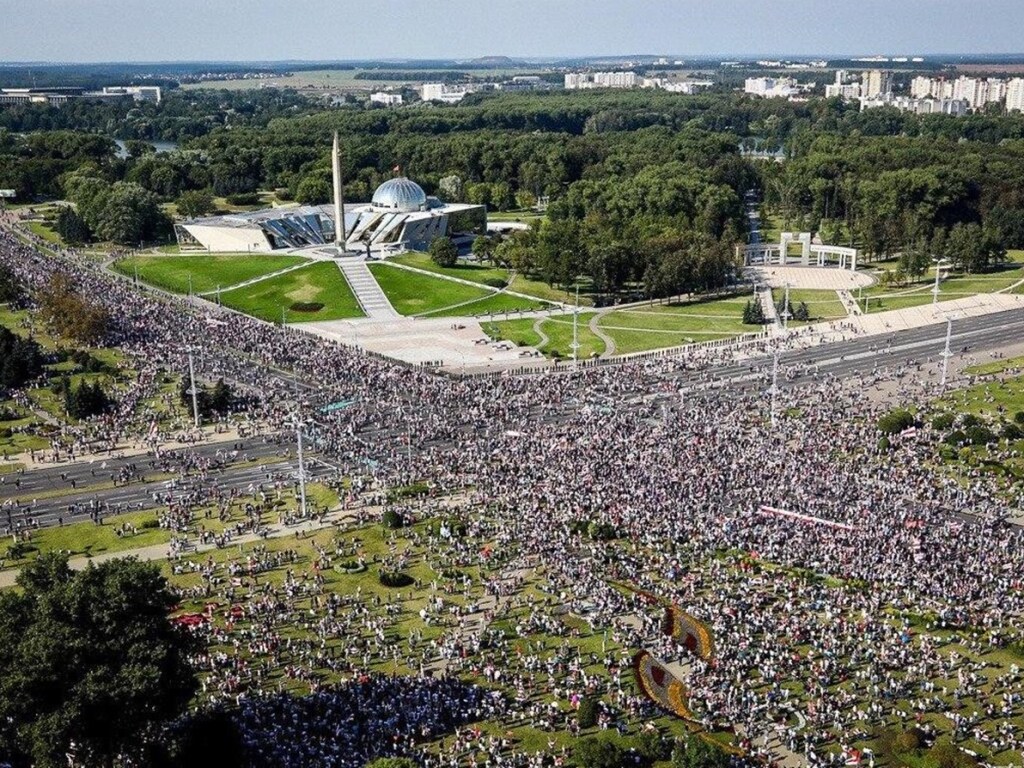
{"x": 339, "y": 201}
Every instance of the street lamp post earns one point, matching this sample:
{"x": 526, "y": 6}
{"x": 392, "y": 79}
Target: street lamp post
{"x": 946, "y": 353}
{"x": 939, "y": 264}
{"x": 192, "y": 388}
{"x": 575, "y": 331}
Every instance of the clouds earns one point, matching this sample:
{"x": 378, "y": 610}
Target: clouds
{"x": 97, "y": 30}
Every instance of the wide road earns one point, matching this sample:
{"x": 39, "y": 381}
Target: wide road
{"x": 262, "y": 458}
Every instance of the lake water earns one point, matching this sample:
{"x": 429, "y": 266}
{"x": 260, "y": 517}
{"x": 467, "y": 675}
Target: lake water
{"x": 161, "y": 147}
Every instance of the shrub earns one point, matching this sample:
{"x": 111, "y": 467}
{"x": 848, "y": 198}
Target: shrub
{"x": 884, "y": 444}
{"x": 602, "y": 531}
{"x": 243, "y": 198}
{"x": 979, "y": 434}
{"x": 586, "y": 715}
{"x": 955, "y": 438}
{"x": 597, "y": 753}
{"x": 969, "y": 420}
{"x": 942, "y": 421}
{"x": 306, "y": 306}
{"x": 896, "y": 421}
{"x": 496, "y": 282}
{"x": 149, "y": 524}
{"x": 392, "y": 519}
{"x": 1019, "y": 417}
{"x": 1012, "y": 431}
{"x": 395, "y": 579}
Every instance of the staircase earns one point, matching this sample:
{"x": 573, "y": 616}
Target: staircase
{"x": 371, "y": 298}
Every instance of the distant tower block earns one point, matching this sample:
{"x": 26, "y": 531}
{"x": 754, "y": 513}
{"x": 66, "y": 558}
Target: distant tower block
{"x": 339, "y": 200}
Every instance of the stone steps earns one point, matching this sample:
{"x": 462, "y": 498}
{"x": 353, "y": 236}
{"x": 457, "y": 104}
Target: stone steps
{"x": 371, "y": 298}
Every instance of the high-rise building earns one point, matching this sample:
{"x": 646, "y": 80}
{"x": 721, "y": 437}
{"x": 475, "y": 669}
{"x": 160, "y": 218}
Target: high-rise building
{"x": 876, "y": 83}
{"x": 922, "y": 87}
{"x": 1015, "y": 95}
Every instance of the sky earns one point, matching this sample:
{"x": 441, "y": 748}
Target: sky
{"x": 269, "y": 30}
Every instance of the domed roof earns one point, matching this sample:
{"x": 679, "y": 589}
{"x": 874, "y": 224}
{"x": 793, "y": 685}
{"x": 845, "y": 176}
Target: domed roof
{"x": 400, "y": 194}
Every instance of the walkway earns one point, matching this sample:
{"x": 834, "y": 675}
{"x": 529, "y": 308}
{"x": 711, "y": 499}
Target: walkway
{"x": 371, "y": 298}
{"x": 609, "y": 342}
{"x": 771, "y": 314}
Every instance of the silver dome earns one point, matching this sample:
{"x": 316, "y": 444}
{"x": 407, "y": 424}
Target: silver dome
{"x": 400, "y": 194}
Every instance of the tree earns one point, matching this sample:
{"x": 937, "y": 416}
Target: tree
{"x": 85, "y": 401}
{"x": 315, "y": 189}
{"x": 594, "y": 752}
{"x": 443, "y": 252}
{"x": 586, "y": 715}
{"x": 450, "y": 188}
{"x": 90, "y": 663}
{"x": 194, "y": 203}
{"x": 69, "y": 313}
{"x": 483, "y": 247}
{"x": 129, "y": 215}
{"x": 72, "y": 227}
{"x": 391, "y": 762}
{"x": 11, "y": 288}
{"x": 695, "y": 752}
{"x": 753, "y": 313}
{"x": 21, "y": 360}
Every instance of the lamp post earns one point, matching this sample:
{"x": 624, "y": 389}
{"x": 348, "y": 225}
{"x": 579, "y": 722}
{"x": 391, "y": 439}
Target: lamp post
{"x": 939, "y": 264}
{"x": 192, "y": 388}
{"x": 946, "y": 353}
{"x": 575, "y": 331}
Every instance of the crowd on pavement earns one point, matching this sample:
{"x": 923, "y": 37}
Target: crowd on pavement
{"x": 885, "y": 596}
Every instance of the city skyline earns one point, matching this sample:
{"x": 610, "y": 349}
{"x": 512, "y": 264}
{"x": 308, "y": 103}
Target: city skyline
{"x": 71, "y": 30}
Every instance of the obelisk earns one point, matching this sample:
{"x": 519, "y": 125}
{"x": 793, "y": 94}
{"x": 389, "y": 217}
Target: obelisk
{"x": 339, "y": 200}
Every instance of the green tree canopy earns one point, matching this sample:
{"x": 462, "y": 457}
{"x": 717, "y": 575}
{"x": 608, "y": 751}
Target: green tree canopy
{"x": 89, "y": 659}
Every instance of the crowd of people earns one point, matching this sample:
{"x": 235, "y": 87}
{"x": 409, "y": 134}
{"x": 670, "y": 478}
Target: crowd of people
{"x": 883, "y": 605}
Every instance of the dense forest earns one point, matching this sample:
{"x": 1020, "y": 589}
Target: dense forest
{"x": 643, "y": 186}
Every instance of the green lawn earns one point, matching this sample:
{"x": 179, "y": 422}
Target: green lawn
{"x": 519, "y": 332}
{"x": 415, "y": 294}
{"x": 321, "y": 282}
{"x": 657, "y": 326}
{"x": 87, "y": 538}
{"x": 823, "y": 305}
{"x": 496, "y": 304}
{"x": 1013, "y": 364}
{"x": 207, "y": 271}
{"x": 558, "y": 330}
{"x": 42, "y": 230}
{"x": 495, "y": 277}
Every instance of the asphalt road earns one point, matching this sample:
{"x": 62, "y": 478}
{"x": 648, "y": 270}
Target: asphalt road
{"x": 841, "y": 359}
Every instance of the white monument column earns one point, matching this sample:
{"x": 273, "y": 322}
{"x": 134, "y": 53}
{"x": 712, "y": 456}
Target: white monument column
{"x": 339, "y": 200}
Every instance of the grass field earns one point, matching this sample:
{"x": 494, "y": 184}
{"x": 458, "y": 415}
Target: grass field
{"x": 1011, "y": 364}
{"x": 495, "y": 304}
{"x": 87, "y": 538}
{"x": 414, "y": 294}
{"x": 822, "y": 305}
{"x": 495, "y": 277}
{"x": 321, "y": 282}
{"x": 958, "y": 286}
{"x": 207, "y": 271}
{"x": 557, "y": 328}
{"x": 657, "y": 326}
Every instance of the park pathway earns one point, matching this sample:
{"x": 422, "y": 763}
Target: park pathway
{"x": 850, "y": 304}
{"x": 609, "y": 342}
{"x": 371, "y": 298}
{"x": 771, "y": 314}
{"x": 538, "y": 328}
